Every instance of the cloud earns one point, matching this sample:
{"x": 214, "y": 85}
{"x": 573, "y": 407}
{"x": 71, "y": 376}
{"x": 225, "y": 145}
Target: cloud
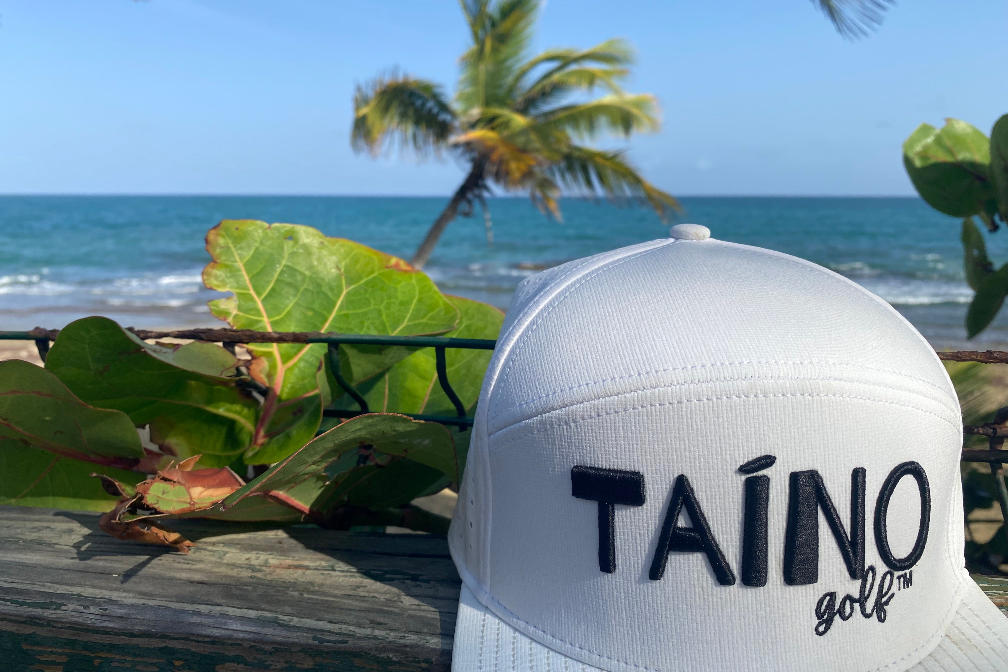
{"x": 704, "y": 164}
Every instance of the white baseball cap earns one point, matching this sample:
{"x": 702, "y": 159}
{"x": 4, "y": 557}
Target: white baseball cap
{"x": 695, "y": 455}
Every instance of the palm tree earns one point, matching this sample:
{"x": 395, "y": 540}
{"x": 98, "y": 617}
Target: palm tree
{"x": 517, "y": 122}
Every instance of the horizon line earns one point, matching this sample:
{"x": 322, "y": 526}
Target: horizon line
{"x": 601, "y": 199}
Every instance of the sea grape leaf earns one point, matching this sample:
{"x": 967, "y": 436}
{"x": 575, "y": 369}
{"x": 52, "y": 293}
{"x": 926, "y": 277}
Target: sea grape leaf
{"x": 987, "y": 302}
{"x": 331, "y": 474}
{"x": 949, "y": 168}
{"x": 177, "y": 489}
{"x": 180, "y": 490}
{"x": 999, "y": 164}
{"x": 977, "y": 265}
{"x": 35, "y": 477}
{"x": 38, "y": 411}
{"x": 395, "y": 484}
{"x": 328, "y": 472}
{"x": 324, "y": 474}
{"x": 287, "y": 277}
{"x": 411, "y": 386}
{"x": 184, "y": 392}
{"x": 145, "y": 531}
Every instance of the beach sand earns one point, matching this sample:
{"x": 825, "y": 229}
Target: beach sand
{"x": 25, "y": 350}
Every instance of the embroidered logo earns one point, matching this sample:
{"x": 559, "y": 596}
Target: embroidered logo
{"x": 807, "y": 496}
{"x": 827, "y": 608}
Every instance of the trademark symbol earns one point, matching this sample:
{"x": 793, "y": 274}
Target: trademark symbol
{"x": 904, "y": 580}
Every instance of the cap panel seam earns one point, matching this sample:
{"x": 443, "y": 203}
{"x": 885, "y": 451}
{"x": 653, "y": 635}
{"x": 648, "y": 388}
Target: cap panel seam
{"x": 983, "y": 631}
{"x": 715, "y": 398}
{"x": 956, "y": 559}
{"x": 519, "y": 340}
{"x": 642, "y": 374}
{"x": 575, "y": 274}
{"x": 878, "y": 299}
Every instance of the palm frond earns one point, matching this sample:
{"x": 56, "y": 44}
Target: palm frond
{"x": 612, "y": 53}
{"x": 588, "y": 171}
{"x": 544, "y": 192}
{"x": 475, "y": 13}
{"x": 503, "y": 161}
{"x": 403, "y": 110}
{"x": 606, "y": 64}
{"x": 854, "y": 18}
{"x": 503, "y": 120}
{"x": 556, "y": 85}
{"x": 500, "y": 42}
{"x": 524, "y": 132}
{"x": 623, "y": 114}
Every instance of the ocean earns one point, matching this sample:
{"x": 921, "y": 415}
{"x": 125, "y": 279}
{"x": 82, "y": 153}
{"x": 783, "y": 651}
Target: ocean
{"x": 137, "y": 259}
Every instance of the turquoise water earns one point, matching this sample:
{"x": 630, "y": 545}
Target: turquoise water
{"x": 138, "y": 259}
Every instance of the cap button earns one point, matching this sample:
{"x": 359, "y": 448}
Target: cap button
{"x": 689, "y": 232}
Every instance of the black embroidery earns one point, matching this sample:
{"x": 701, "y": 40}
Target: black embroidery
{"x": 882, "y": 509}
{"x": 754, "y": 531}
{"x": 688, "y": 539}
{"x": 608, "y": 487}
{"x": 807, "y": 494}
{"x": 757, "y": 464}
{"x": 827, "y": 609}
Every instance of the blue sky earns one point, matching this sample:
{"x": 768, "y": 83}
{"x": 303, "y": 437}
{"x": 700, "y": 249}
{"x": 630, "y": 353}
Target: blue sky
{"x": 254, "y": 96}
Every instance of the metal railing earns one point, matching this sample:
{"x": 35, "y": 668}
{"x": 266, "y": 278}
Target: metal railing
{"x": 230, "y": 338}
{"x": 997, "y": 431}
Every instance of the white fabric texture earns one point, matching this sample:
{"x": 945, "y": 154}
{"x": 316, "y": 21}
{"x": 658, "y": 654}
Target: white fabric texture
{"x": 689, "y": 358}
{"x": 974, "y": 642}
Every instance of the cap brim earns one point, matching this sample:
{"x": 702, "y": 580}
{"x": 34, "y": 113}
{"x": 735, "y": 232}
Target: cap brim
{"x": 975, "y": 641}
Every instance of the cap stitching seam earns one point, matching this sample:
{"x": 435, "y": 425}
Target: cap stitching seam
{"x": 715, "y": 398}
{"x": 717, "y": 364}
{"x": 982, "y": 633}
{"x": 537, "y": 319}
{"x": 879, "y": 301}
{"x": 563, "y": 283}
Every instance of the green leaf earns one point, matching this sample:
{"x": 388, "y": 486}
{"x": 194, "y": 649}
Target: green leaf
{"x": 999, "y": 164}
{"x": 987, "y": 302}
{"x": 978, "y": 489}
{"x": 38, "y": 411}
{"x": 34, "y": 477}
{"x": 395, "y": 484}
{"x": 976, "y": 265}
{"x": 180, "y": 391}
{"x": 411, "y": 386}
{"x": 334, "y": 470}
{"x": 950, "y": 167}
{"x": 286, "y": 277}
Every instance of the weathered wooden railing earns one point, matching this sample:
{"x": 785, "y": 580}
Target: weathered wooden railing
{"x": 73, "y": 598}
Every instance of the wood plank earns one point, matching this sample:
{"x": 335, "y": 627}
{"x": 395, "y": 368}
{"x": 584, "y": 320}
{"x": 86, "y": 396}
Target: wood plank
{"x": 996, "y": 588}
{"x": 73, "y": 598}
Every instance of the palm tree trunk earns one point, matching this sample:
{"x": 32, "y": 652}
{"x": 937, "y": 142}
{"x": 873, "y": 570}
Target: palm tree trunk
{"x": 468, "y": 186}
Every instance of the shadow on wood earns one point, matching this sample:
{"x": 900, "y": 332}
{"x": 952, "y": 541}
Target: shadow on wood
{"x": 296, "y": 598}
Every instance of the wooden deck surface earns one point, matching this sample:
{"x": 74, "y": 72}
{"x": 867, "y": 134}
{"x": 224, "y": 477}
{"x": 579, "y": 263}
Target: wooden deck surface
{"x": 298, "y": 598}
